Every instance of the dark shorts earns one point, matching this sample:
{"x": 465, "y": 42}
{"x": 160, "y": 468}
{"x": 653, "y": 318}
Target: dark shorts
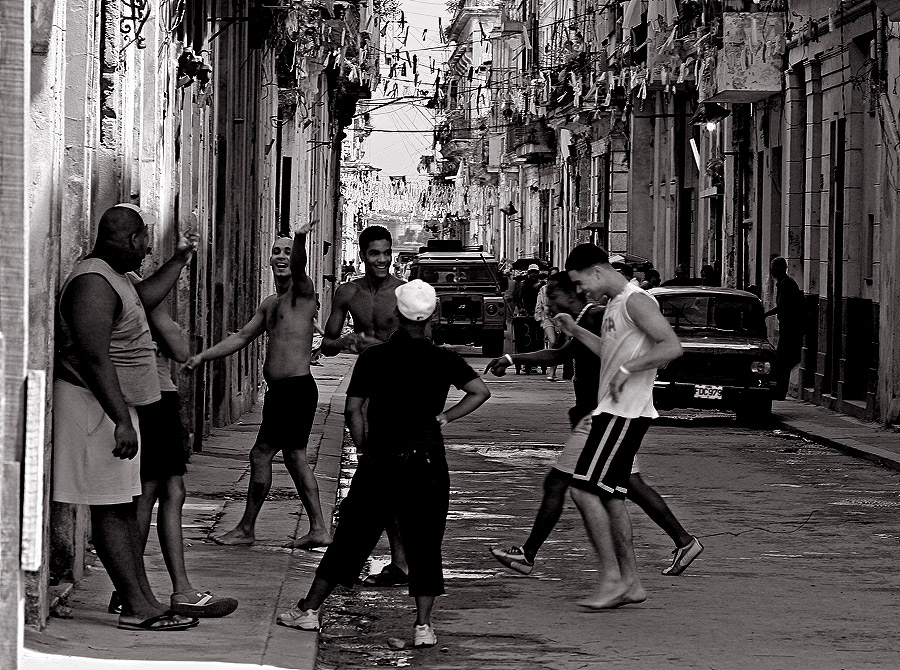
{"x": 604, "y": 466}
{"x": 163, "y": 454}
{"x": 288, "y": 412}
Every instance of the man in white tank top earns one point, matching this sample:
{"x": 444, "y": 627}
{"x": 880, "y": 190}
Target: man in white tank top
{"x": 636, "y": 340}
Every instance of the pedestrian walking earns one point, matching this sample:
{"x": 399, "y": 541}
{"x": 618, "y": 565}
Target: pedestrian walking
{"x": 564, "y": 299}
{"x": 291, "y": 397}
{"x": 636, "y": 340}
{"x": 545, "y": 319}
{"x": 105, "y": 368}
{"x": 402, "y": 471}
{"x": 789, "y": 308}
{"x": 371, "y": 303}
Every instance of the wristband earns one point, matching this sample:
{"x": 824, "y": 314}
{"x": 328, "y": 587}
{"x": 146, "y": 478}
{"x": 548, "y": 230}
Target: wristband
{"x": 624, "y": 371}
{"x": 509, "y": 358}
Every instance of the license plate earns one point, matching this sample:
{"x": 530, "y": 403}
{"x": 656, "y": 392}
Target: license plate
{"x": 706, "y": 392}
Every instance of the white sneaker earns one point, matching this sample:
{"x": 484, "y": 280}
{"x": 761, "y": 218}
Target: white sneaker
{"x": 682, "y": 557}
{"x": 424, "y": 636}
{"x": 299, "y": 618}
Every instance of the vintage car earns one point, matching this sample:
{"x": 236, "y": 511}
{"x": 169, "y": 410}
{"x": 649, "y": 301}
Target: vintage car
{"x": 471, "y": 307}
{"x": 728, "y": 362}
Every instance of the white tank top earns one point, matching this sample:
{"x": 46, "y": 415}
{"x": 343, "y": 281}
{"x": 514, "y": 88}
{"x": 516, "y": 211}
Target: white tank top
{"x": 622, "y": 341}
{"x": 131, "y": 347}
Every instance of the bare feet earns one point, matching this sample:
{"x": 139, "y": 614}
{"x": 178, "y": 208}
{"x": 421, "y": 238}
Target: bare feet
{"x": 309, "y": 541}
{"x": 636, "y": 594}
{"x": 235, "y": 537}
{"x": 609, "y": 596}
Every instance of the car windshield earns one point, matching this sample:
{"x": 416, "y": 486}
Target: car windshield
{"x": 719, "y": 312}
{"x": 453, "y": 274}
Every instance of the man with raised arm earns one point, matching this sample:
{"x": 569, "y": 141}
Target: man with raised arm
{"x": 291, "y": 398}
{"x": 105, "y": 368}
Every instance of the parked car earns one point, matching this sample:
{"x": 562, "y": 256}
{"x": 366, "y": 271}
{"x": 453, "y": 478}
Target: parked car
{"x": 728, "y": 362}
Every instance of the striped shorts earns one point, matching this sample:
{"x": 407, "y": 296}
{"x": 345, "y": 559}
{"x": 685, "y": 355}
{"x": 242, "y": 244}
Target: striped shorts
{"x": 605, "y": 462}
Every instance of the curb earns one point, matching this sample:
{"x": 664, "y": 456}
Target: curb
{"x": 284, "y": 647}
{"x": 849, "y": 446}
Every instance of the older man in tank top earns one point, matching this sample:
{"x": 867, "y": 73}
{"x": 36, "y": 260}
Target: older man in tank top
{"x": 636, "y": 340}
{"x": 105, "y": 367}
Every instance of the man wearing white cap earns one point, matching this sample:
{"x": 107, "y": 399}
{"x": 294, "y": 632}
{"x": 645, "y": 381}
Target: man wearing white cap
{"x": 402, "y": 469}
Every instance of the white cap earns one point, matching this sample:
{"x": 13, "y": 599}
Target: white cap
{"x": 128, "y": 205}
{"x": 416, "y": 300}
{"x": 533, "y": 266}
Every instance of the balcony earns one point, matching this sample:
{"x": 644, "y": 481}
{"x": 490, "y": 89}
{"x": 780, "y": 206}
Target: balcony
{"x": 749, "y": 65}
{"x": 533, "y": 142}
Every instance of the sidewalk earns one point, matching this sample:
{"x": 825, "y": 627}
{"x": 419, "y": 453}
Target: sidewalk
{"x": 857, "y": 438}
{"x": 265, "y": 578}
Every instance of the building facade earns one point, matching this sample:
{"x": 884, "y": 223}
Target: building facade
{"x": 221, "y": 118}
{"x": 699, "y": 134}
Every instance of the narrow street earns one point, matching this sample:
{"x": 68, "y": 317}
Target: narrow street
{"x": 798, "y": 569}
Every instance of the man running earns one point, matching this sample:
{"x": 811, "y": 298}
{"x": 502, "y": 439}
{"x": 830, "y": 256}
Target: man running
{"x": 372, "y": 304}
{"x": 562, "y": 298}
{"x": 636, "y": 340}
{"x": 291, "y": 398}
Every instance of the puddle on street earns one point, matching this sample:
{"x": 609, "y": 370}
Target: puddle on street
{"x": 458, "y": 514}
{"x": 870, "y": 503}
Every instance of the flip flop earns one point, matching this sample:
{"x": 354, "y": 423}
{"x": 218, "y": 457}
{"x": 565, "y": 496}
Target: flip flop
{"x": 152, "y": 624}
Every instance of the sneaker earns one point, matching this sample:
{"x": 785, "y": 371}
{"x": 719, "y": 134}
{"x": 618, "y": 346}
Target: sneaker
{"x": 513, "y": 558}
{"x": 682, "y": 557}
{"x": 299, "y": 618}
{"x": 202, "y": 604}
{"x": 424, "y": 636}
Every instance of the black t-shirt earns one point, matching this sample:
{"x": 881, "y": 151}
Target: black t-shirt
{"x": 406, "y": 381}
{"x": 587, "y": 367}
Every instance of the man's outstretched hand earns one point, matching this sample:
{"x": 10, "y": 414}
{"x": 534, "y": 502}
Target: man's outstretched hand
{"x": 191, "y": 363}
{"x": 497, "y": 366}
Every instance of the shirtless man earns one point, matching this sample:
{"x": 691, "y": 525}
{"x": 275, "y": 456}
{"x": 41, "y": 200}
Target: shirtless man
{"x": 372, "y": 303}
{"x": 287, "y": 318}
{"x": 370, "y": 300}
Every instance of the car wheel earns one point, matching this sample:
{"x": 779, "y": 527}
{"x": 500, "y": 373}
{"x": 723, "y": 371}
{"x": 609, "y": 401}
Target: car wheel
{"x": 755, "y": 413}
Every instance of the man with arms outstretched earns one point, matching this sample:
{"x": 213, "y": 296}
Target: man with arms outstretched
{"x": 291, "y": 397}
{"x": 636, "y": 340}
{"x": 372, "y": 304}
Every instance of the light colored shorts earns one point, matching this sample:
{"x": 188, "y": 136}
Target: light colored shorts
{"x": 568, "y": 457}
{"x": 84, "y": 468}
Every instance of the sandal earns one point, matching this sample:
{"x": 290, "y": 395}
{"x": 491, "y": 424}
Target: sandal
{"x": 391, "y": 575}
{"x": 167, "y": 621}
